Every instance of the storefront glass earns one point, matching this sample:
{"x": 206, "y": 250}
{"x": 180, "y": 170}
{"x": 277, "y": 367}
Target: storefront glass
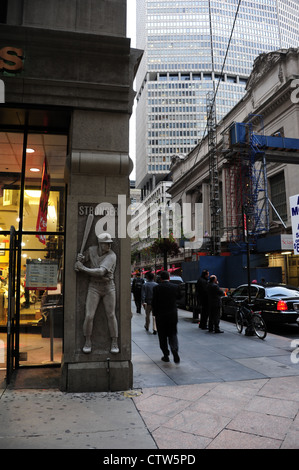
{"x": 41, "y": 301}
{"x": 4, "y": 259}
{"x": 32, "y": 199}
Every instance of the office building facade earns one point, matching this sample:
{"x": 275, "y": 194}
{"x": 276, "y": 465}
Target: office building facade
{"x": 186, "y": 56}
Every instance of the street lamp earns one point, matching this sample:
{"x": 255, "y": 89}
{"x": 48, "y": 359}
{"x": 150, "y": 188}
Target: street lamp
{"x": 246, "y": 240}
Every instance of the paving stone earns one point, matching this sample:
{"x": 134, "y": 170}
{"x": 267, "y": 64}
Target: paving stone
{"x": 292, "y": 440}
{"x": 228, "y": 439}
{"x": 273, "y": 406}
{"x": 261, "y": 424}
{"x": 201, "y": 424}
{"x": 173, "y": 439}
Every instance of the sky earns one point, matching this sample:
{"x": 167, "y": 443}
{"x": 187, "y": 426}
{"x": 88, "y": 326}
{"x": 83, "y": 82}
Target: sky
{"x": 131, "y": 21}
{"x": 131, "y": 28}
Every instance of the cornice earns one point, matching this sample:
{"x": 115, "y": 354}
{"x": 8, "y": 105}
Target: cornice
{"x": 266, "y": 62}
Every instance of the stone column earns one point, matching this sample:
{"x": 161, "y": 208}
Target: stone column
{"x": 98, "y": 181}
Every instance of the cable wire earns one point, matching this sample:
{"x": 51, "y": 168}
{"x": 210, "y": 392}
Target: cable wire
{"x": 219, "y": 80}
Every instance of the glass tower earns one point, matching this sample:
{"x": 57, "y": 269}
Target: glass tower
{"x": 186, "y": 55}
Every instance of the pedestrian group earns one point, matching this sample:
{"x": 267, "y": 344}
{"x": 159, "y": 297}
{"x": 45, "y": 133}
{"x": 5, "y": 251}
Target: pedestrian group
{"x": 159, "y": 301}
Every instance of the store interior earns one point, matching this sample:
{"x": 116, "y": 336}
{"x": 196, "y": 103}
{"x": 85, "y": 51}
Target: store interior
{"x": 39, "y": 265}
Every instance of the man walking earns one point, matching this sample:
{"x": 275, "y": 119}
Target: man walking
{"x": 165, "y": 311}
{"x": 136, "y": 289}
{"x": 146, "y": 299}
{"x": 214, "y": 296}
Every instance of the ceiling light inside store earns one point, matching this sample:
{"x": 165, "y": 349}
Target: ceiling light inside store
{"x": 51, "y": 212}
{"x": 33, "y": 192}
{"x": 34, "y": 170}
{"x": 30, "y": 150}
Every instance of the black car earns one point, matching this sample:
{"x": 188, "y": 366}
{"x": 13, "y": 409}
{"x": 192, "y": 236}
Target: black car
{"x": 278, "y": 303}
{"x": 181, "y": 302}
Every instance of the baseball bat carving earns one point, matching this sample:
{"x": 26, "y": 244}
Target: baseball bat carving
{"x": 86, "y": 231}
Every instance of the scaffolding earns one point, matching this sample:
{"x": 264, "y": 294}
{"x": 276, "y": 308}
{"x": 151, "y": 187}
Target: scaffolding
{"x": 215, "y": 240}
{"x": 247, "y": 151}
{"x": 246, "y": 183}
{"x": 237, "y": 184}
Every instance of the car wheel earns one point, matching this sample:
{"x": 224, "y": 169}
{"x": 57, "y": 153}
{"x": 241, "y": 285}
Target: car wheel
{"x": 223, "y": 314}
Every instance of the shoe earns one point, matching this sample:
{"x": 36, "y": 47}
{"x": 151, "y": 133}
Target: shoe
{"x": 219, "y": 331}
{"x": 146, "y": 328}
{"x": 165, "y": 358}
{"x": 114, "y": 349}
{"x": 154, "y": 332}
{"x": 176, "y": 357}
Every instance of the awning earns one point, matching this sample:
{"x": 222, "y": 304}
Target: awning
{"x": 143, "y": 271}
{"x": 171, "y": 270}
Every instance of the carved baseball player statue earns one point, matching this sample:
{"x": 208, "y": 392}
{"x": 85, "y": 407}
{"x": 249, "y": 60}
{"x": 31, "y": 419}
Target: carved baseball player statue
{"x": 100, "y": 266}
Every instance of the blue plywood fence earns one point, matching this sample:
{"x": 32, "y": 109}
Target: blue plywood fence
{"x": 231, "y": 271}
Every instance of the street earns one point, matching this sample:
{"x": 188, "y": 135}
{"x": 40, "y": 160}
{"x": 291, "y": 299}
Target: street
{"x": 290, "y": 331}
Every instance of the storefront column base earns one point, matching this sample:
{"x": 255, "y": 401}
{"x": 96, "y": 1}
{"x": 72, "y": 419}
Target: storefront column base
{"x": 96, "y": 376}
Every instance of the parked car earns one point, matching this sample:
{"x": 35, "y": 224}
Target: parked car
{"x": 178, "y": 280}
{"x": 278, "y": 303}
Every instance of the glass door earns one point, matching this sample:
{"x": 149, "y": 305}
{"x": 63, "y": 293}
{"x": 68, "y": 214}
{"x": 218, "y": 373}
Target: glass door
{"x": 11, "y": 145}
{"x": 41, "y": 300}
{"x": 11, "y": 306}
{"x": 42, "y": 251}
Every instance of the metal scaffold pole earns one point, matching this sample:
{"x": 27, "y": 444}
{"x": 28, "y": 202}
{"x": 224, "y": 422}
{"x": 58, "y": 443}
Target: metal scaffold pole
{"x": 214, "y": 178}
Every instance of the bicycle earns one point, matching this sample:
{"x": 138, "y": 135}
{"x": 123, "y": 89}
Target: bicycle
{"x": 254, "y": 321}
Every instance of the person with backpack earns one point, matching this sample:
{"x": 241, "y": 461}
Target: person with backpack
{"x": 136, "y": 290}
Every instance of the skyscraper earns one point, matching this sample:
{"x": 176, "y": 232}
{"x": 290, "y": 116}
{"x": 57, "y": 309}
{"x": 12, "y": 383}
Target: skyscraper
{"x": 191, "y": 48}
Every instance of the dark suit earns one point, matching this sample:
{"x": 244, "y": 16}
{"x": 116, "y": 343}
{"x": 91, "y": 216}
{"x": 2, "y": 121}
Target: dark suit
{"x": 203, "y": 300}
{"x": 165, "y": 311}
{"x": 214, "y": 296}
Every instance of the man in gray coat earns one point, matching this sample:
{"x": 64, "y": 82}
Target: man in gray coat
{"x": 146, "y": 300}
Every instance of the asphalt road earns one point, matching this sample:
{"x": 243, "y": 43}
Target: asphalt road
{"x": 290, "y": 331}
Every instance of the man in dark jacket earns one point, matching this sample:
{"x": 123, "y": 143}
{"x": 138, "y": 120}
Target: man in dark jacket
{"x": 214, "y": 296}
{"x": 202, "y": 298}
{"x": 136, "y": 289}
{"x": 164, "y": 307}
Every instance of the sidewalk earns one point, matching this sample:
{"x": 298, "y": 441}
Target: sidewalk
{"x": 229, "y": 391}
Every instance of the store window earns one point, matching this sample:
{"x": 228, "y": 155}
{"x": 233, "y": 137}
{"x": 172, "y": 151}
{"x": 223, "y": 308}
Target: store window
{"x": 278, "y": 196}
{"x": 41, "y": 300}
{"x": 32, "y": 199}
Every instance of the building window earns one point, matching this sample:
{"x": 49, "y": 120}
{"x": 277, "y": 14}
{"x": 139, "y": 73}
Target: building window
{"x": 278, "y": 196}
